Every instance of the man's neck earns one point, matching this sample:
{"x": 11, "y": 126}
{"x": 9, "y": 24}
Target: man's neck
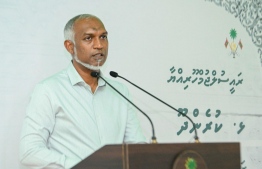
{"x": 85, "y": 73}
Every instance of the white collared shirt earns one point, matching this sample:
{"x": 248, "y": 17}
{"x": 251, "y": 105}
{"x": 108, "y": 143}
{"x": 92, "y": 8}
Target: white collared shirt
{"x": 65, "y": 122}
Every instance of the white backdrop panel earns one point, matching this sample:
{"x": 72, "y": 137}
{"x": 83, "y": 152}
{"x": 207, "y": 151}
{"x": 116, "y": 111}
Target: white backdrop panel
{"x": 150, "y": 42}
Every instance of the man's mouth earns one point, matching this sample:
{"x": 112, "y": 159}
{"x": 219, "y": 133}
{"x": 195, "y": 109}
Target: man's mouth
{"x": 98, "y": 54}
{"x": 98, "y": 57}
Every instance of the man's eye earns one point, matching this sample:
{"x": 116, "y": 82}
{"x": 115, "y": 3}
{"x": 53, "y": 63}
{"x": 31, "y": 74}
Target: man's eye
{"x": 103, "y": 37}
{"x": 88, "y": 38}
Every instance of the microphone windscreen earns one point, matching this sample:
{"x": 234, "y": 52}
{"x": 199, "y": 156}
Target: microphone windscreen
{"x": 113, "y": 74}
{"x": 94, "y": 74}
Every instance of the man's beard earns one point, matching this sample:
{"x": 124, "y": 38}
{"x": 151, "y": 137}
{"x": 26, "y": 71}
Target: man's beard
{"x": 86, "y": 65}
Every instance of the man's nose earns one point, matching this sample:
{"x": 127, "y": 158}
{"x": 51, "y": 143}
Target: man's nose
{"x": 97, "y": 43}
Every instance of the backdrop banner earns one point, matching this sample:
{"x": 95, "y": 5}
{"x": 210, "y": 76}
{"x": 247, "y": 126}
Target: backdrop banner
{"x": 203, "y": 57}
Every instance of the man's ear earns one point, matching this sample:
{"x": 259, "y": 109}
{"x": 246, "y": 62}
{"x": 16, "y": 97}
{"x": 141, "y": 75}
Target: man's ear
{"x": 69, "y": 45}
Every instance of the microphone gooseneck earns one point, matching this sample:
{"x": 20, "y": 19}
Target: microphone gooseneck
{"x": 154, "y": 140}
{"x": 114, "y": 74}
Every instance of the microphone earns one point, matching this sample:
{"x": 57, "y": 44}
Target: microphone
{"x": 154, "y": 141}
{"x": 114, "y": 74}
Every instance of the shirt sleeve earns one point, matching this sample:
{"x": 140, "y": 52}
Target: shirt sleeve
{"x": 133, "y": 133}
{"x": 37, "y": 127}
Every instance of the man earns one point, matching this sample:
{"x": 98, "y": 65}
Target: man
{"x": 72, "y": 114}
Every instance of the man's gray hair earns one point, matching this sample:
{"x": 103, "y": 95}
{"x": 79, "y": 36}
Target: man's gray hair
{"x": 69, "y": 33}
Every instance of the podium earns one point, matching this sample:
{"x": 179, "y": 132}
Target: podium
{"x": 164, "y": 156}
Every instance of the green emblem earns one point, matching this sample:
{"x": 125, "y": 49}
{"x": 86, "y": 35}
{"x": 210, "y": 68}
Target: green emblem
{"x": 191, "y": 163}
{"x": 233, "y": 46}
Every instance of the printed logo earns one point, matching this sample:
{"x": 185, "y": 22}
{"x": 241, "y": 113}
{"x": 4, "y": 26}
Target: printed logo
{"x": 233, "y": 46}
{"x": 191, "y": 163}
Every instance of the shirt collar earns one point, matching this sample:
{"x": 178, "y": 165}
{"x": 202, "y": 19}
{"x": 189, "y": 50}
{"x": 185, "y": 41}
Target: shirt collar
{"x": 75, "y": 78}
{"x": 101, "y": 82}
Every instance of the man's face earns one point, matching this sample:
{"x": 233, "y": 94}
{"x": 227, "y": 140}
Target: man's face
{"x": 91, "y": 44}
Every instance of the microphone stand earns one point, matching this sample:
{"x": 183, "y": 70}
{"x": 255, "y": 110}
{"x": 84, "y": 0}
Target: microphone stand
{"x": 154, "y": 140}
{"x": 114, "y": 74}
